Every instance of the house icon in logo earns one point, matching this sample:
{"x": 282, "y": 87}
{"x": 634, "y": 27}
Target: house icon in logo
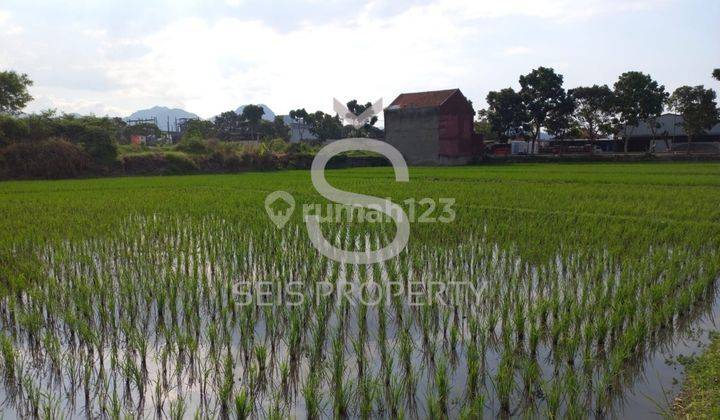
{"x": 279, "y": 206}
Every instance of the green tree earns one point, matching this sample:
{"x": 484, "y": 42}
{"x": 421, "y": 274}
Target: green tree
{"x": 482, "y": 127}
{"x": 199, "y": 128}
{"x": 716, "y": 74}
{"x": 228, "y": 125}
{"x": 638, "y": 98}
{"x": 12, "y": 130}
{"x": 302, "y": 117}
{"x": 542, "y": 94}
{"x": 14, "y": 92}
{"x": 368, "y": 130}
{"x": 280, "y": 129}
{"x": 96, "y": 135}
{"x": 506, "y": 113}
{"x": 560, "y": 121}
{"x": 698, "y": 108}
{"x": 325, "y": 126}
{"x": 593, "y": 109}
{"x": 98, "y": 143}
{"x": 357, "y": 109}
{"x": 252, "y": 114}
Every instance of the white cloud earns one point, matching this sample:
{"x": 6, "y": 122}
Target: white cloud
{"x": 7, "y": 27}
{"x": 519, "y": 50}
{"x": 552, "y": 9}
{"x": 208, "y": 65}
{"x": 212, "y": 67}
{"x": 80, "y": 106}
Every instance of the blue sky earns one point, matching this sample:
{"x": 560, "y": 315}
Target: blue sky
{"x": 114, "y": 57}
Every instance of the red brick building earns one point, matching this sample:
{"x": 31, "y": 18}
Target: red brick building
{"x": 433, "y": 127}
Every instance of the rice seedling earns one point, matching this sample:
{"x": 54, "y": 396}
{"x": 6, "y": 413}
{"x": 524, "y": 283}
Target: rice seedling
{"x": 581, "y": 271}
{"x": 243, "y": 407}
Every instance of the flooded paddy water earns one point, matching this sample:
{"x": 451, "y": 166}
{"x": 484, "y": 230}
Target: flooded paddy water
{"x": 584, "y": 288}
{"x": 152, "y": 322}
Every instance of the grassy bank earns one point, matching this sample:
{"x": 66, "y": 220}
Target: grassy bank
{"x": 700, "y": 398}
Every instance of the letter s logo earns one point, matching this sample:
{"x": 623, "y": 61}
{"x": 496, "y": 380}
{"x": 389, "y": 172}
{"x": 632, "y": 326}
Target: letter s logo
{"x": 396, "y": 212}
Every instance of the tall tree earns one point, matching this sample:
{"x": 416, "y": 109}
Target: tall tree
{"x": 716, "y": 74}
{"x": 593, "y": 109}
{"x": 301, "y": 117}
{"x": 325, "y": 126}
{"x": 698, "y": 108}
{"x": 505, "y": 114}
{"x": 228, "y": 125}
{"x": 280, "y": 130}
{"x": 357, "y": 109}
{"x": 14, "y": 92}
{"x": 559, "y": 120}
{"x": 199, "y": 128}
{"x": 252, "y": 114}
{"x": 542, "y": 94}
{"x": 638, "y": 98}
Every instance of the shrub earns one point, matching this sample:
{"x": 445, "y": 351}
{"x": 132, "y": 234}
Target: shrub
{"x": 277, "y": 145}
{"x": 260, "y": 161}
{"x": 234, "y": 163}
{"x": 192, "y": 144}
{"x": 179, "y": 163}
{"x": 143, "y": 164}
{"x": 12, "y": 129}
{"x": 45, "y": 159}
{"x": 301, "y": 147}
{"x": 99, "y": 145}
{"x": 171, "y": 163}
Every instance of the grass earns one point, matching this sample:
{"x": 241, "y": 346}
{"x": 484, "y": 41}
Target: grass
{"x": 582, "y": 271}
{"x": 700, "y": 397}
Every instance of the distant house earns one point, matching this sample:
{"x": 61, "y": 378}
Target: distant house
{"x": 299, "y": 131}
{"x": 434, "y": 128}
{"x": 138, "y": 140}
{"x": 668, "y": 134}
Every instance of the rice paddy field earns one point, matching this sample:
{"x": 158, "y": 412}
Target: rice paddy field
{"x": 118, "y": 297}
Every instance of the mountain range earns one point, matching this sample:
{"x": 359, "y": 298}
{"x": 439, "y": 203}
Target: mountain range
{"x": 166, "y": 116}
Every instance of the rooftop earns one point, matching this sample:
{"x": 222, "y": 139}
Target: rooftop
{"x": 431, "y": 99}
{"x": 667, "y": 125}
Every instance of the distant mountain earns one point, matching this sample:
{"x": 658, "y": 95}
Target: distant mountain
{"x": 269, "y": 115}
{"x": 163, "y": 115}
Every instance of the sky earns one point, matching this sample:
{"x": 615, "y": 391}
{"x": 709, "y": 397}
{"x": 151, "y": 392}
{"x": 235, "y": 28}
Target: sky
{"x": 115, "y": 57}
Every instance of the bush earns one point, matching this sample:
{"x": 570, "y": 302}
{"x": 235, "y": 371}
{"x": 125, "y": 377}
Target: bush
{"x": 45, "y": 159}
{"x": 179, "y": 163}
{"x": 301, "y": 147}
{"x": 277, "y": 145}
{"x": 158, "y": 164}
{"x": 143, "y": 164}
{"x": 99, "y": 145}
{"x": 192, "y": 144}
{"x": 234, "y": 163}
{"x": 12, "y": 129}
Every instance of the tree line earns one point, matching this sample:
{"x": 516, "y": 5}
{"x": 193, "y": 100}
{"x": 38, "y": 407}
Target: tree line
{"x": 542, "y": 103}
{"x": 51, "y": 145}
